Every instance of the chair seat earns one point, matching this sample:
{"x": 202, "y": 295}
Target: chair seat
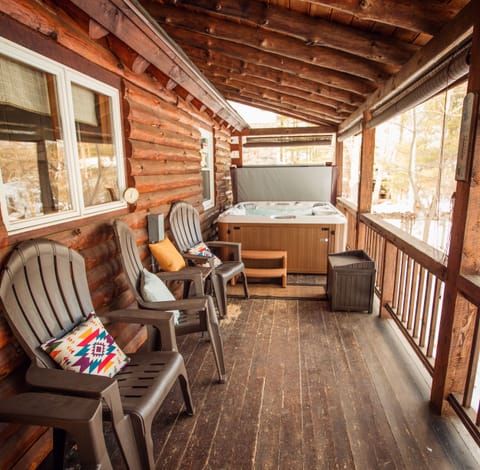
{"x": 228, "y": 269}
{"x": 146, "y": 380}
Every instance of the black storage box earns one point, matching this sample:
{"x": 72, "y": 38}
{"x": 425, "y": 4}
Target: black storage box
{"x": 351, "y": 281}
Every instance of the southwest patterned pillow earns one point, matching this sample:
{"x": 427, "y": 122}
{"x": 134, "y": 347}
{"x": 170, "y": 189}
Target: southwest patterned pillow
{"x": 88, "y": 349}
{"x": 201, "y": 249}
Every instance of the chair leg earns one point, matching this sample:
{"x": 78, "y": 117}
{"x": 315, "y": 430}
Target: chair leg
{"x": 58, "y": 448}
{"x": 216, "y": 340}
{"x": 143, "y": 436}
{"x": 185, "y": 386}
{"x": 220, "y": 290}
{"x": 245, "y": 285}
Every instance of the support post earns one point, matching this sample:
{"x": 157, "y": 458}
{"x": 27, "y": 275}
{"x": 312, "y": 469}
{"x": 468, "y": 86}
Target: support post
{"x": 366, "y": 177}
{"x": 457, "y": 322}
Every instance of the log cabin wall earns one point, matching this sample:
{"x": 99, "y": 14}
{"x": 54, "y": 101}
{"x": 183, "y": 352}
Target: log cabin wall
{"x": 162, "y": 153}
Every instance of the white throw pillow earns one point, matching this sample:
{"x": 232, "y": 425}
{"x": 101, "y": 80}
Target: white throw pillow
{"x": 153, "y": 289}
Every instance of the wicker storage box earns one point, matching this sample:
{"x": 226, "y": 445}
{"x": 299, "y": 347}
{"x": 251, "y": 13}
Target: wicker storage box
{"x": 351, "y": 281}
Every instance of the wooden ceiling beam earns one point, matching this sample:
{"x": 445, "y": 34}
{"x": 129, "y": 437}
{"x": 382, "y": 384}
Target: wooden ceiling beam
{"x": 127, "y": 22}
{"x": 288, "y": 100}
{"x": 291, "y": 113}
{"x": 129, "y": 58}
{"x": 277, "y": 94}
{"x": 450, "y": 36}
{"x": 327, "y": 95}
{"x": 264, "y": 100}
{"x": 270, "y": 42}
{"x": 311, "y": 30}
{"x": 312, "y": 72}
{"x": 428, "y": 17}
{"x": 253, "y": 131}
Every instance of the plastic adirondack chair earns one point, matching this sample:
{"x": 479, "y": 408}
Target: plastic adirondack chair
{"x": 192, "y": 319}
{"x": 185, "y": 227}
{"x": 44, "y": 293}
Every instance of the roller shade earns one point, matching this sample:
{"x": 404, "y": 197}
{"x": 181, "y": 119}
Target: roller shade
{"x": 350, "y": 132}
{"x": 449, "y": 71}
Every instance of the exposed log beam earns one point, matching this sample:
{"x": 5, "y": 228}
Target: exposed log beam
{"x": 287, "y": 130}
{"x": 291, "y": 82}
{"x": 96, "y": 31}
{"x": 451, "y": 35}
{"x": 311, "y": 99}
{"x": 428, "y": 17}
{"x": 321, "y": 75}
{"x": 129, "y": 24}
{"x": 266, "y": 41}
{"x": 277, "y": 94}
{"x": 254, "y": 100}
{"x": 135, "y": 62}
{"x": 311, "y": 30}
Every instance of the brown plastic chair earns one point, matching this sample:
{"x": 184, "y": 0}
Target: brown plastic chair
{"x": 44, "y": 294}
{"x": 185, "y": 227}
{"x": 191, "y": 320}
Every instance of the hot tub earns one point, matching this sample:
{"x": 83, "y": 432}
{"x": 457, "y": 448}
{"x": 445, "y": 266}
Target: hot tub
{"x": 307, "y": 230}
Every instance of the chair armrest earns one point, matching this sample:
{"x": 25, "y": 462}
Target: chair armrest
{"x": 191, "y": 304}
{"x": 162, "y": 320}
{"x": 88, "y": 386}
{"x": 235, "y": 247}
{"x": 66, "y": 381}
{"x": 196, "y": 275}
{"x": 200, "y": 260}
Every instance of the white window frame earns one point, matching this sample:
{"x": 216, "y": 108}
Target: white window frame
{"x": 64, "y": 77}
{"x": 208, "y": 134}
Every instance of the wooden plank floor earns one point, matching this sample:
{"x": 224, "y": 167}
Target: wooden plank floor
{"x": 306, "y": 389}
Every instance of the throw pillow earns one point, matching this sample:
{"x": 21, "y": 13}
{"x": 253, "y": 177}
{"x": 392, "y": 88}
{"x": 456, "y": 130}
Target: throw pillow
{"x": 153, "y": 289}
{"x": 201, "y": 249}
{"x": 88, "y": 349}
{"x": 167, "y": 256}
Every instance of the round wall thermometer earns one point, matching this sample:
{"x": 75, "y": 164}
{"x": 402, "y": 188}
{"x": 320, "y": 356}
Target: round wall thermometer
{"x": 131, "y": 195}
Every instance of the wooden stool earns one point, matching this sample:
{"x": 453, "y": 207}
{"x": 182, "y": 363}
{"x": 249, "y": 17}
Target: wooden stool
{"x": 264, "y": 272}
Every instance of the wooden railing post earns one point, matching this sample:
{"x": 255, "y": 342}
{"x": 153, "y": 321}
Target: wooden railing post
{"x": 456, "y": 325}
{"x": 388, "y": 278}
{"x": 366, "y": 177}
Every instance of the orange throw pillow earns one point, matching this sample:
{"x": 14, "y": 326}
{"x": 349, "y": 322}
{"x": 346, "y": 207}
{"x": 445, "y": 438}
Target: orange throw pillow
{"x": 167, "y": 256}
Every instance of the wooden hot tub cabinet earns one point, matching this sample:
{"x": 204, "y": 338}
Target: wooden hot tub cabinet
{"x": 307, "y": 245}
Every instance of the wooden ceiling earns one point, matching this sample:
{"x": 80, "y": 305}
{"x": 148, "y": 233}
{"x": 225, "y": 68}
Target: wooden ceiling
{"x": 316, "y": 61}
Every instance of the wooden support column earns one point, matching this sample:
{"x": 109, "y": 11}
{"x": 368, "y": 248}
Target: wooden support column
{"x": 458, "y": 315}
{"x": 339, "y": 164}
{"x": 366, "y": 177}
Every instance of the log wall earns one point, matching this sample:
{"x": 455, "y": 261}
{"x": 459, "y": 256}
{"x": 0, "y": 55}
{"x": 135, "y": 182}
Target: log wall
{"x": 161, "y": 137}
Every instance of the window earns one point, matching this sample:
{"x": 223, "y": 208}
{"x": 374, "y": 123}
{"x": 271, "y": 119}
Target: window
{"x": 415, "y": 160}
{"x": 60, "y": 146}
{"x": 351, "y": 168}
{"x": 206, "y": 152}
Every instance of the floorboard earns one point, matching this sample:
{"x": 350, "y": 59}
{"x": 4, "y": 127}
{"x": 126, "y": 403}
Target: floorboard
{"x": 307, "y": 389}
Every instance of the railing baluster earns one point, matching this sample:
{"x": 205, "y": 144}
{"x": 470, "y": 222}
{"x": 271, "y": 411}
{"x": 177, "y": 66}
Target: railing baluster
{"x": 434, "y": 323}
{"x": 413, "y": 297}
{"x": 408, "y": 289}
{"x": 398, "y": 275}
{"x": 418, "y": 306}
{"x": 426, "y": 316}
{"x": 472, "y": 366}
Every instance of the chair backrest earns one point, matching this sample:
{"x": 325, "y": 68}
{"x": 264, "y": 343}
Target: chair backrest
{"x": 185, "y": 225}
{"x": 44, "y": 293}
{"x": 131, "y": 262}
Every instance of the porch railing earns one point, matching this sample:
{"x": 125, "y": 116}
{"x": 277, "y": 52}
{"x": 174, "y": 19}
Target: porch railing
{"x": 410, "y": 285}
